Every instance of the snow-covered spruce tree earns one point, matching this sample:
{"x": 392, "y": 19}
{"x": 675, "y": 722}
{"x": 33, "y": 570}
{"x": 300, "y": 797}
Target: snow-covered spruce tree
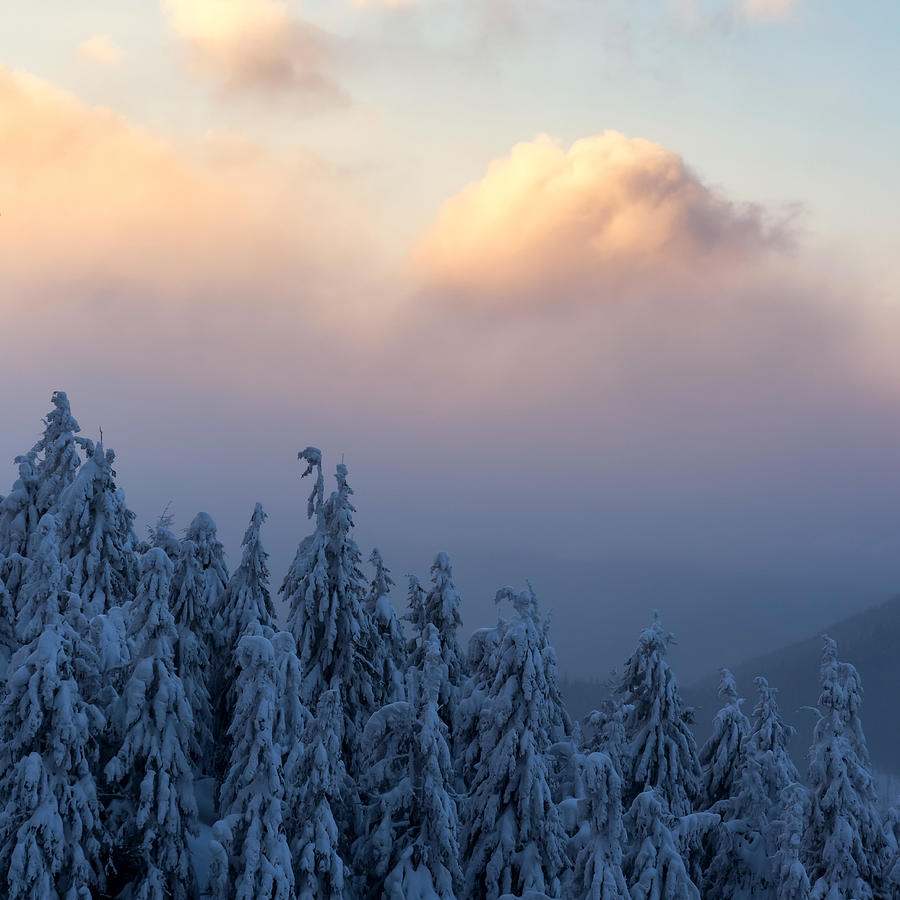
{"x": 292, "y": 717}
{"x": 320, "y": 872}
{"x": 598, "y": 866}
{"x": 250, "y": 854}
{"x": 720, "y": 756}
{"x": 247, "y": 600}
{"x": 388, "y": 652}
{"x": 156, "y": 811}
{"x": 514, "y": 841}
{"x": 654, "y": 866}
{"x": 768, "y": 742}
{"x": 57, "y": 453}
{"x": 441, "y": 609}
{"x": 50, "y": 831}
{"x": 160, "y": 535}
{"x": 192, "y": 618}
{"x": 18, "y": 520}
{"x": 409, "y": 850}
{"x": 789, "y": 873}
{"x": 661, "y": 753}
{"x": 325, "y": 591}
{"x": 844, "y": 845}
{"x": 605, "y": 733}
{"x": 97, "y": 535}
{"x": 211, "y": 556}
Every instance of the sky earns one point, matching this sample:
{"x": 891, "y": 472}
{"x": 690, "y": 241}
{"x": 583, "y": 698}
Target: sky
{"x": 594, "y": 292}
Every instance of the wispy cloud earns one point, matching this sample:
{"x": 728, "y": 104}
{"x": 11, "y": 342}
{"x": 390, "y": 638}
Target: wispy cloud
{"x": 256, "y": 46}
{"x": 101, "y": 49}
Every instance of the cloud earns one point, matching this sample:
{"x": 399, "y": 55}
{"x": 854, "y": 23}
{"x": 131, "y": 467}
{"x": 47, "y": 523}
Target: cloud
{"x": 94, "y": 205}
{"x": 609, "y": 215}
{"x": 769, "y": 9}
{"x": 256, "y": 46}
{"x": 101, "y": 49}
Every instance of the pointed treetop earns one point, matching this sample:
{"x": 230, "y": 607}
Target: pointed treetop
{"x": 727, "y": 687}
{"x": 313, "y": 457}
{"x": 382, "y": 582}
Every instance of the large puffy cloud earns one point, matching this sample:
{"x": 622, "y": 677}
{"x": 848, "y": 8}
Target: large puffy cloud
{"x": 256, "y": 46}
{"x": 610, "y": 215}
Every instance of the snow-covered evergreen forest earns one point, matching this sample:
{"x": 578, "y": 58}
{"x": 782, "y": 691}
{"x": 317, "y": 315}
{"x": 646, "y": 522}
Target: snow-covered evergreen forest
{"x": 164, "y": 735}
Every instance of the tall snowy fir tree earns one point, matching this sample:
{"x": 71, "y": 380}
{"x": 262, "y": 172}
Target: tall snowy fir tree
{"x": 193, "y": 625}
{"x": 441, "y": 609}
{"x": 97, "y": 535}
{"x": 388, "y": 652}
{"x": 514, "y": 840}
{"x": 251, "y": 855}
{"x": 44, "y": 472}
{"x": 410, "y": 848}
{"x": 325, "y": 592}
{"x": 156, "y": 811}
{"x": 720, "y": 756}
{"x": 247, "y": 601}
{"x": 844, "y": 845}
{"x": 321, "y": 871}
{"x": 598, "y": 871}
{"x": 661, "y": 751}
{"x": 50, "y": 831}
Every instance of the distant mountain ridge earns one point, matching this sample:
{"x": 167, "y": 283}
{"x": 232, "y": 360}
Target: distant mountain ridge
{"x": 870, "y": 640}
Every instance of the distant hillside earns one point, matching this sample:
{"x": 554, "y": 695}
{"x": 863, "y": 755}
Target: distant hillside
{"x": 870, "y": 640}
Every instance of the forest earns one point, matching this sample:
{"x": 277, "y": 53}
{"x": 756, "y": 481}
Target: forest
{"x": 164, "y": 735}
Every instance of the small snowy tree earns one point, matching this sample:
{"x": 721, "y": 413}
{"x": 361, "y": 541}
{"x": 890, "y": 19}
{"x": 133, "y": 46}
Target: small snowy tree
{"x": 19, "y": 512}
{"x": 192, "y": 617}
{"x": 410, "y": 849}
{"x": 662, "y": 753}
{"x": 720, "y": 756}
{"x": 388, "y": 651}
{"x": 50, "y": 831}
{"x": 789, "y": 874}
{"x": 160, "y": 535}
{"x": 598, "y": 867}
{"x": 251, "y": 856}
{"x": 655, "y": 867}
{"x": 768, "y": 742}
{"x": 844, "y": 846}
{"x": 157, "y": 811}
{"x": 97, "y": 536}
{"x": 514, "y": 841}
{"x": 57, "y": 453}
{"x": 325, "y": 592}
{"x": 320, "y": 872}
{"x": 210, "y": 557}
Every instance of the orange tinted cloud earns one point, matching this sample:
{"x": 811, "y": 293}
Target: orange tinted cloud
{"x": 609, "y": 214}
{"x": 254, "y": 45}
{"x": 90, "y": 199}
